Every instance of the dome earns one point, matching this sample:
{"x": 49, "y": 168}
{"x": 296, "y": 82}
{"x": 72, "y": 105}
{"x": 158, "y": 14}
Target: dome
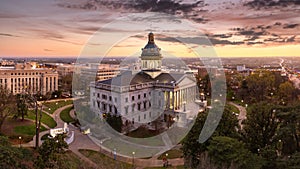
{"x": 151, "y": 49}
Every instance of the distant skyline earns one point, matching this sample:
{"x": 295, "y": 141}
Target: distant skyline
{"x": 236, "y": 28}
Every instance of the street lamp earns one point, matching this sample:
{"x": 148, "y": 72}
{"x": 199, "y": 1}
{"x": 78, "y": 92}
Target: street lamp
{"x": 133, "y": 158}
{"x": 20, "y": 141}
{"x": 115, "y": 153}
{"x": 167, "y": 160}
{"x": 184, "y": 108}
{"x": 101, "y": 146}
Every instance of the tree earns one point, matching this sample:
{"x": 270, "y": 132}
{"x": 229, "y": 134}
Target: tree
{"x": 259, "y": 84}
{"x": 193, "y": 150}
{"x": 231, "y": 152}
{"x": 260, "y": 126}
{"x": 10, "y": 157}
{"x": 115, "y": 122}
{"x": 21, "y": 106}
{"x": 50, "y": 151}
{"x": 286, "y": 91}
{"x": 7, "y": 105}
{"x": 289, "y": 130}
{"x": 66, "y": 83}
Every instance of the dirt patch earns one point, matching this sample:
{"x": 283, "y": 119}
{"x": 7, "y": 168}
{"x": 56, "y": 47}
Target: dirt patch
{"x": 8, "y": 129}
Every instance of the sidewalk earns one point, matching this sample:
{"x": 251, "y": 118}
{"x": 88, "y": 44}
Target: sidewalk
{"x": 82, "y": 141}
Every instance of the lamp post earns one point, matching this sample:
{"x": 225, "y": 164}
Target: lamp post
{"x": 20, "y": 141}
{"x": 101, "y": 146}
{"x": 133, "y": 158}
{"x": 167, "y": 160}
{"x": 115, "y": 153}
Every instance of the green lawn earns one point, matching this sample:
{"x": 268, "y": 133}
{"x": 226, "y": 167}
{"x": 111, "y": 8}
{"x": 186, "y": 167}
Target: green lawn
{"x": 50, "y": 107}
{"x": 103, "y": 160}
{"x": 239, "y": 102}
{"x": 27, "y": 130}
{"x": 232, "y": 108}
{"x": 46, "y": 119}
{"x": 173, "y": 153}
{"x": 65, "y": 115}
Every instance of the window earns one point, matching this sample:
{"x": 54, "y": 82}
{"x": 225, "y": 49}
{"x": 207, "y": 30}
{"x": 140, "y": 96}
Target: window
{"x": 116, "y": 100}
{"x": 145, "y": 95}
{"x": 139, "y": 118}
{"x": 126, "y": 110}
{"x": 110, "y": 108}
{"x": 110, "y": 98}
{"x": 132, "y": 98}
{"x": 133, "y": 108}
{"x": 104, "y": 96}
{"x": 126, "y": 99}
{"x": 144, "y": 116}
{"x": 139, "y": 96}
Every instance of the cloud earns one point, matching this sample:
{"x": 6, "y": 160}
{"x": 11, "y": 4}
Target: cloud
{"x": 201, "y": 40}
{"x": 291, "y": 39}
{"x": 7, "y": 34}
{"x": 47, "y": 33}
{"x": 48, "y": 50}
{"x": 258, "y": 4}
{"x": 290, "y": 26}
{"x": 173, "y": 7}
{"x": 222, "y": 35}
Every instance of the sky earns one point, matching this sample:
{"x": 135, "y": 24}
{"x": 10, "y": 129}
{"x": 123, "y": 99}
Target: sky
{"x": 225, "y": 28}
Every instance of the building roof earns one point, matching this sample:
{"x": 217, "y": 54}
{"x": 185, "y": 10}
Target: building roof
{"x": 127, "y": 78}
{"x": 151, "y": 49}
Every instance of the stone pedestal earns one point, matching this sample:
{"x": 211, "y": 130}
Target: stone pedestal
{"x": 182, "y": 118}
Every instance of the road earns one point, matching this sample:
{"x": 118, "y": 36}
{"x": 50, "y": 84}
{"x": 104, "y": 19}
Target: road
{"x": 242, "y": 115}
{"x": 292, "y": 78}
{"x": 82, "y": 141}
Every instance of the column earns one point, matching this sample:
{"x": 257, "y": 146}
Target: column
{"x": 179, "y": 99}
{"x": 168, "y": 99}
{"x": 173, "y": 100}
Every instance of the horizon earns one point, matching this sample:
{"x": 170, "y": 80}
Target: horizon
{"x": 235, "y": 28}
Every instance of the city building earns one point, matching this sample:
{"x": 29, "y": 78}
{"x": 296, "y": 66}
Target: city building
{"x": 100, "y": 71}
{"x": 142, "y": 96}
{"x": 65, "y": 69}
{"x": 35, "y": 80}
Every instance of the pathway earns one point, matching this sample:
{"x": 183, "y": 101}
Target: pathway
{"x": 82, "y": 141}
{"x": 242, "y": 115}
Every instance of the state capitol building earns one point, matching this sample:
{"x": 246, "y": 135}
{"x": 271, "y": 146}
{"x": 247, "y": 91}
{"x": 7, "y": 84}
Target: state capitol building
{"x": 141, "y": 97}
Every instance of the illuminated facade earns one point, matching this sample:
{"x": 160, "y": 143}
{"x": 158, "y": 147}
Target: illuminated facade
{"x": 35, "y": 80}
{"x": 141, "y": 97}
